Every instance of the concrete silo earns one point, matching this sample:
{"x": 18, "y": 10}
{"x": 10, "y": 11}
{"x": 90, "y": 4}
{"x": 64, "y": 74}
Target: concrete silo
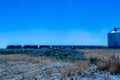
{"x": 114, "y": 38}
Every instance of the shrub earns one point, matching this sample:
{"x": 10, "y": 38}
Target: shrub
{"x": 94, "y": 60}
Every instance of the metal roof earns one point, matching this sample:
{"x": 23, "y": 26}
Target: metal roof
{"x": 115, "y": 30}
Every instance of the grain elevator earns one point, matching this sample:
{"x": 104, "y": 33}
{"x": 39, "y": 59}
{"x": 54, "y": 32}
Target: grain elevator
{"x": 114, "y": 38}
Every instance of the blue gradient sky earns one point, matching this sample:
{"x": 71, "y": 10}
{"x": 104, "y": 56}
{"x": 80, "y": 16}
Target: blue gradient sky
{"x": 57, "y": 21}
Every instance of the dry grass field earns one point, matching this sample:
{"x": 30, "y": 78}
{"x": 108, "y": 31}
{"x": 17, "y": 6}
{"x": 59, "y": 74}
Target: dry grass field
{"x": 27, "y": 58}
{"x": 109, "y": 58}
{"x": 27, "y": 67}
{"x": 102, "y": 53}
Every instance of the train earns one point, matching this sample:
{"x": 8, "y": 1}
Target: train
{"x": 55, "y": 47}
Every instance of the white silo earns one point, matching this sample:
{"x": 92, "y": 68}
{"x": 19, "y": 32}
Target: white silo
{"x": 114, "y": 38}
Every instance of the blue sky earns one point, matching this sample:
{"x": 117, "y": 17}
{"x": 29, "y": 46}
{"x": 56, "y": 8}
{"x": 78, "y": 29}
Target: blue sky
{"x": 81, "y": 22}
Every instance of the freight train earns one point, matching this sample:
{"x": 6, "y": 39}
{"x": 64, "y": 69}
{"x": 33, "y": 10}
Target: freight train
{"x": 55, "y": 47}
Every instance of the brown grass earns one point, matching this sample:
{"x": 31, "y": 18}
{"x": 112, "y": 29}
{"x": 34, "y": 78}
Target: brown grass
{"x": 21, "y": 57}
{"x": 30, "y": 76}
{"x": 114, "y": 67}
{"x": 101, "y": 53}
{"x": 103, "y": 65}
{"x": 74, "y": 68}
{"x": 109, "y": 59}
{"x": 50, "y": 71}
{"x": 111, "y": 66}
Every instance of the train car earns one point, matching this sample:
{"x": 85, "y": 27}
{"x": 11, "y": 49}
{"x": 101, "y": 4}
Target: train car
{"x": 14, "y": 47}
{"x": 78, "y": 47}
{"x": 57, "y": 47}
{"x": 45, "y": 47}
{"x": 35, "y": 46}
{"x": 68, "y": 47}
{"x": 30, "y": 47}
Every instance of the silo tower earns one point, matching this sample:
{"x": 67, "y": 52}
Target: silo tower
{"x": 114, "y": 38}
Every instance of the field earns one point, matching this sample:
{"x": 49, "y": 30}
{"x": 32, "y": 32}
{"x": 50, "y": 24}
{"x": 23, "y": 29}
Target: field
{"x": 102, "y": 53}
{"x": 84, "y": 64}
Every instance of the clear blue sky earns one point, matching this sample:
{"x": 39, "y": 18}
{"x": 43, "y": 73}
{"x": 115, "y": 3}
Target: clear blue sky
{"x": 57, "y": 21}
